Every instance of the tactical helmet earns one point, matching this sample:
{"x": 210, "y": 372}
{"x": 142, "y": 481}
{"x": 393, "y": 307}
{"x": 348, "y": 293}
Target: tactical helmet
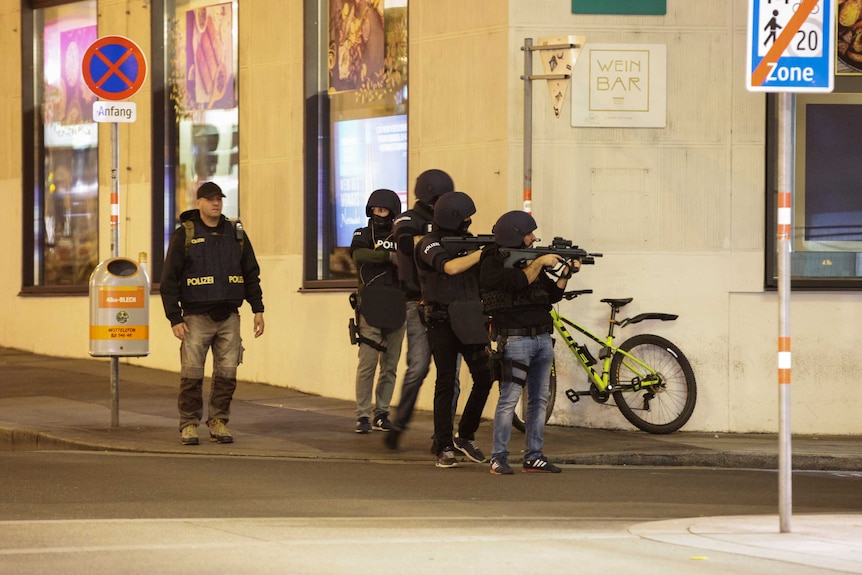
{"x": 511, "y": 227}
{"x": 383, "y": 199}
{"x": 452, "y": 209}
{"x": 431, "y": 184}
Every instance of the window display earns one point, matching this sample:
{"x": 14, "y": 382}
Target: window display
{"x": 356, "y": 118}
{"x": 201, "y": 67}
{"x": 66, "y": 243}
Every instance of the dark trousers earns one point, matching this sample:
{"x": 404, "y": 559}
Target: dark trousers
{"x": 445, "y": 347}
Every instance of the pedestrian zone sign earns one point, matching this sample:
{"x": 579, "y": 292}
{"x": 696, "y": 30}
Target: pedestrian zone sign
{"x": 791, "y": 46}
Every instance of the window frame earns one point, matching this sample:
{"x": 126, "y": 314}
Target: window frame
{"x": 843, "y": 85}
{"x": 319, "y": 147}
{"x": 33, "y": 139}
{"x": 166, "y": 133}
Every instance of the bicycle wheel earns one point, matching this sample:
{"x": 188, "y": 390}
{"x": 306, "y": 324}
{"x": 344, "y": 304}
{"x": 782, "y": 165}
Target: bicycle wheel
{"x": 519, "y": 416}
{"x": 662, "y": 408}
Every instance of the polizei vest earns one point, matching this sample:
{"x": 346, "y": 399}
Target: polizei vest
{"x": 213, "y": 270}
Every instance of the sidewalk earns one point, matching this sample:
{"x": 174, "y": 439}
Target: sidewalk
{"x": 50, "y": 403}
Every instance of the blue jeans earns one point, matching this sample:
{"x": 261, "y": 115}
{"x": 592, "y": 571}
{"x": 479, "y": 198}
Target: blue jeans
{"x": 538, "y": 354}
{"x": 224, "y": 339}
{"x": 418, "y": 364}
{"x": 369, "y": 358}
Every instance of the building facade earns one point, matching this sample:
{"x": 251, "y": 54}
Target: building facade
{"x": 681, "y": 211}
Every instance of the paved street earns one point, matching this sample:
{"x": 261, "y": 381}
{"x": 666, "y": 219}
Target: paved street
{"x": 89, "y": 512}
{"x": 299, "y": 492}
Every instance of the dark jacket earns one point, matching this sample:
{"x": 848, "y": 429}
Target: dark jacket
{"x": 439, "y": 288}
{"x": 413, "y": 223}
{"x": 510, "y": 300}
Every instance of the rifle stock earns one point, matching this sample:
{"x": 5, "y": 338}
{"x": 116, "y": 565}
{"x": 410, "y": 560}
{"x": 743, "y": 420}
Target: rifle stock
{"x": 461, "y": 245}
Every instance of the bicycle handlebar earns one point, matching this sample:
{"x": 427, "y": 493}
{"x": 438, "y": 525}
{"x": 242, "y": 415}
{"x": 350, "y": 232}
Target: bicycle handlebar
{"x": 575, "y": 293}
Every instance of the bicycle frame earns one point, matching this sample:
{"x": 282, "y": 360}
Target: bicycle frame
{"x": 646, "y": 375}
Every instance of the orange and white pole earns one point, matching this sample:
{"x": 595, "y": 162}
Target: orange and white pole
{"x": 784, "y": 237}
{"x": 528, "y": 124}
{"x": 115, "y": 190}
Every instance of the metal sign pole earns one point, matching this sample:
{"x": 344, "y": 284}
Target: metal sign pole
{"x": 115, "y": 189}
{"x": 114, "y": 68}
{"x": 528, "y": 125}
{"x": 528, "y": 78}
{"x": 115, "y": 252}
{"x": 786, "y": 188}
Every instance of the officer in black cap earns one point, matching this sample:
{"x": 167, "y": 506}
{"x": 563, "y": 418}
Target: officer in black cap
{"x": 210, "y": 268}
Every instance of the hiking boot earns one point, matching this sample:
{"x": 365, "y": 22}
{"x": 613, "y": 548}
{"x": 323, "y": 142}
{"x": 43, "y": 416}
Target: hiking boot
{"x": 381, "y": 423}
{"x": 390, "y": 440}
{"x": 363, "y": 425}
{"x": 190, "y": 434}
{"x": 540, "y": 465}
{"x": 447, "y": 458}
{"x": 500, "y": 466}
{"x": 469, "y": 448}
{"x": 218, "y": 432}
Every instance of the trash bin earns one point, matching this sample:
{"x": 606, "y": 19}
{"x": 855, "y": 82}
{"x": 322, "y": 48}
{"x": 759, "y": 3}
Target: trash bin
{"x": 119, "y": 309}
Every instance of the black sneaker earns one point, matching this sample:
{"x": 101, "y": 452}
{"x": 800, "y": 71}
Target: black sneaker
{"x": 381, "y": 423}
{"x": 469, "y": 448}
{"x": 390, "y": 440}
{"x": 363, "y": 425}
{"x": 447, "y": 458}
{"x": 500, "y": 467}
{"x": 540, "y": 465}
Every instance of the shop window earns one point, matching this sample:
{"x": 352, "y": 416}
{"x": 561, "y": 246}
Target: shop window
{"x": 356, "y": 125}
{"x": 60, "y": 143}
{"x": 195, "y": 109}
{"x": 826, "y": 247}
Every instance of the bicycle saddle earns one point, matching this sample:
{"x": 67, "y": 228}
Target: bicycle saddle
{"x": 618, "y": 302}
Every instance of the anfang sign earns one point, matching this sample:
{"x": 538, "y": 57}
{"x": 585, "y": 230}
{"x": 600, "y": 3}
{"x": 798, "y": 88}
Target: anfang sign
{"x": 122, "y": 112}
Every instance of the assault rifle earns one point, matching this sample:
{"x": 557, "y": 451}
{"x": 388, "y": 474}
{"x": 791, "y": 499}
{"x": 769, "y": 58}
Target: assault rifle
{"x": 518, "y": 257}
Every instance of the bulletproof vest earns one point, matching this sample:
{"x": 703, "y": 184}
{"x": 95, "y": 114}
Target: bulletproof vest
{"x": 441, "y": 288}
{"x": 213, "y": 270}
{"x": 381, "y": 272}
{"x": 495, "y": 300}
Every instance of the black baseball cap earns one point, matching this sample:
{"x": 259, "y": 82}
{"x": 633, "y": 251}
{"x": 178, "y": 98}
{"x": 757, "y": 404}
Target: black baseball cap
{"x": 208, "y": 190}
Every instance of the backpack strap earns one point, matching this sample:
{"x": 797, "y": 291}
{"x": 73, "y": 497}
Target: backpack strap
{"x": 237, "y": 228}
{"x": 190, "y": 232}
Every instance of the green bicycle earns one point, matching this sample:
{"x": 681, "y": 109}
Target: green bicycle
{"x": 648, "y": 376}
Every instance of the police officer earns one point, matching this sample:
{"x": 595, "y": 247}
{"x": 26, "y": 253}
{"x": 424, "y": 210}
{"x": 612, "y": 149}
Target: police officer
{"x": 409, "y": 228}
{"x": 209, "y": 270}
{"x": 519, "y": 302}
{"x": 381, "y": 310}
{"x": 455, "y": 324}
